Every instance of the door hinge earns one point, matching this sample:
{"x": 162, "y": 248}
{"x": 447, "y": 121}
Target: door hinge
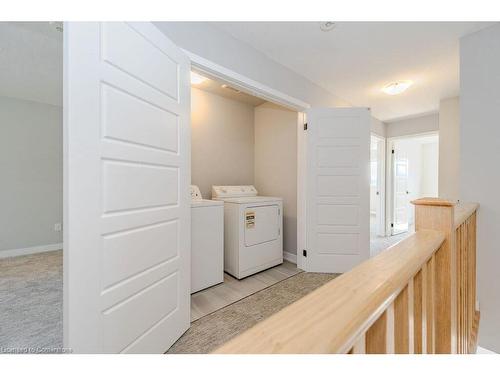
{"x": 393, "y": 151}
{"x": 304, "y": 253}
{"x": 305, "y": 126}
{"x": 392, "y": 225}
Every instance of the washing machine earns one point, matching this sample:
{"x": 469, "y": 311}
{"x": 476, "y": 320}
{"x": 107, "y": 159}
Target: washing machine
{"x": 253, "y": 230}
{"x": 207, "y": 241}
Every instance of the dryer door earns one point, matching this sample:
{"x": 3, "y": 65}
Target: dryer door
{"x": 261, "y": 224}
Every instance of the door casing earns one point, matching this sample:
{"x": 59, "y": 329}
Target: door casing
{"x": 389, "y": 190}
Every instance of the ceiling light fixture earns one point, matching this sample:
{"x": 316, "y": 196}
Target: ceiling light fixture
{"x": 197, "y": 79}
{"x": 327, "y": 26}
{"x": 230, "y": 88}
{"x": 396, "y": 88}
{"x": 58, "y": 26}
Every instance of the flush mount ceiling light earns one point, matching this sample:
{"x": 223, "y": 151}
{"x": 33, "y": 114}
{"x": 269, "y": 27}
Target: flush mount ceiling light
{"x": 197, "y": 79}
{"x": 396, "y": 88}
{"x": 58, "y": 26}
{"x": 327, "y": 26}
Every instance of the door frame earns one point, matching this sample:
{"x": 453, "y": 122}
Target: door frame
{"x": 382, "y": 175}
{"x": 389, "y": 191}
{"x": 218, "y": 72}
{"x": 241, "y": 82}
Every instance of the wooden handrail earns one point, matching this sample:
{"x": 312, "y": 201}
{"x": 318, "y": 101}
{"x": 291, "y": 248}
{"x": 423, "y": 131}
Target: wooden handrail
{"x": 331, "y": 318}
{"x": 418, "y": 296}
{"x": 463, "y": 211}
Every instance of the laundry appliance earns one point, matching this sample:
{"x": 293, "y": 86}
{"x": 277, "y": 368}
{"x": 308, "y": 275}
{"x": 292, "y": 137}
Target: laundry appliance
{"x": 253, "y": 230}
{"x": 207, "y": 241}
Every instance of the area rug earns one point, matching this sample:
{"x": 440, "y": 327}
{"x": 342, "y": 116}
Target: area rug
{"x": 210, "y": 332}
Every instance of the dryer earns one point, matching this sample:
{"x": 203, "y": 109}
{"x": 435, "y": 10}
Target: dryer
{"x": 253, "y": 230}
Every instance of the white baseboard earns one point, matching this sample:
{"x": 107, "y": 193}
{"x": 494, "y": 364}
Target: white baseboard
{"x": 481, "y": 350}
{"x": 292, "y": 258}
{"x": 30, "y": 250}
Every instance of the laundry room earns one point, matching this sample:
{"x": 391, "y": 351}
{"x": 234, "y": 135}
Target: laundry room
{"x": 244, "y": 184}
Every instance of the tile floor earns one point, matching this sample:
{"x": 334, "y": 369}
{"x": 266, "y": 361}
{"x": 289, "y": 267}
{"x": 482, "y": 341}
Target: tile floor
{"x": 232, "y": 290}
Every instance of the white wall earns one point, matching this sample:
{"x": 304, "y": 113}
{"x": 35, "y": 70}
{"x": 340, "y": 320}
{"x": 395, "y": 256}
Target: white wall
{"x": 449, "y": 148}
{"x": 415, "y": 125}
{"x": 31, "y": 174}
{"x": 276, "y": 163}
{"x": 378, "y": 127}
{"x": 215, "y": 45}
{"x": 429, "y": 184}
{"x": 480, "y": 166}
{"x": 222, "y": 141}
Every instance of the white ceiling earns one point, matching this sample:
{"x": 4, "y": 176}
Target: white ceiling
{"x": 356, "y": 59}
{"x": 31, "y": 65}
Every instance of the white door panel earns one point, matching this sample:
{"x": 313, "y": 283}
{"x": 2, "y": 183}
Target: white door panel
{"x": 401, "y": 194}
{"x": 127, "y": 175}
{"x": 337, "y": 189}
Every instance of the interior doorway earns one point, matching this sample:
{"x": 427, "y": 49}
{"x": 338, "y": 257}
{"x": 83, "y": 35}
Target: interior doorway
{"x": 414, "y": 174}
{"x": 240, "y": 140}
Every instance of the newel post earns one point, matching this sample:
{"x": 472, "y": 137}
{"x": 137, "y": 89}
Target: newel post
{"x": 438, "y": 214}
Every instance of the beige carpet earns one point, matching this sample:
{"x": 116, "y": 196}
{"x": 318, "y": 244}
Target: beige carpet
{"x": 211, "y": 331}
{"x": 31, "y": 298}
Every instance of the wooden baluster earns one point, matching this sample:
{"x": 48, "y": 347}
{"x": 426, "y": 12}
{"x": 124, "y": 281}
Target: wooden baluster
{"x": 424, "y": 291}
{"x": 459, "y": 287}
{"x": 465, "y": 308}
{"x": 472, "y": 281}
{"x": 418, "y": 302}
{"x": 390, "y": 331}
{"x": 463, "y": 276}
{"x": 430, "y": 298}
{"x": 470, "y": 274}
{"x": 411, "y": 316}
{"x": 376, "y": 336}
{"x": 438, "y": 214}
{"x": 461, "y": 272}
{"x": 360, "y": 346}
{"x": 462, "y": 286}
{"x": 470, "y": 300}
{"x": 402, "y": 323}
{"x": 475, "y": 314}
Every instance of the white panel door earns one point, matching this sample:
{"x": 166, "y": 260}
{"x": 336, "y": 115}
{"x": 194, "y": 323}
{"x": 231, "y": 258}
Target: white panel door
{"x": 337, "y": 189}
{"x": 401, "y": 202}
{"x": 127, "y": 175}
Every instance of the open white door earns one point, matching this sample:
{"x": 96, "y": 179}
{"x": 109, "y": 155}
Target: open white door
{"x": 337, "y": 189}
{"x": 401, "y": 203}
{"x": 127, "y": 175}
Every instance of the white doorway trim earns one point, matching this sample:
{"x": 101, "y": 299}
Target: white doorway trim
{"x": 382, "y": 176}
{"x": 389, "y": 175}
{"x": 243, "y": 83}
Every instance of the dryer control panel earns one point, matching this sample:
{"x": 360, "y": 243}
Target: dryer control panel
{"x": 195, "y": 193}
{"x": 233, "y": 191}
